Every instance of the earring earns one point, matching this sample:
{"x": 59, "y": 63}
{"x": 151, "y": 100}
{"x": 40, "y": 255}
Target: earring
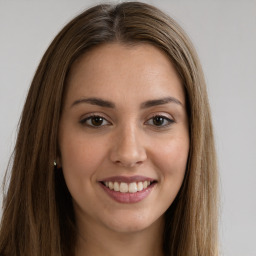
{"x": 55, "y": 163}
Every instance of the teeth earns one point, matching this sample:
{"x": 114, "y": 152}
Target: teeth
{"x": 133, "y": 187}
{"x": 140, "y": 186}
{"x": 123, "y": 187}
{"x": 127, "y": 187}
{"x": 111, "y": 185}
{"x": 116, "y": 186}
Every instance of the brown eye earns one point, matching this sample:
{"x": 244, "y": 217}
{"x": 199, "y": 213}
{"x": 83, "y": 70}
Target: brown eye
{"x": 94, "y": 121}
{"x": 160, "y": 121}
{"x": 97, "y": 120}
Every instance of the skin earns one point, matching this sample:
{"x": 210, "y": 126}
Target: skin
{"x": 128, "y": 142}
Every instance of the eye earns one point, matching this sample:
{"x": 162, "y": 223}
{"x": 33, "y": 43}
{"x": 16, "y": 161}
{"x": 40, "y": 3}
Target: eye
{"x": 95, "y": 121}
{"x": 160, "y": 121}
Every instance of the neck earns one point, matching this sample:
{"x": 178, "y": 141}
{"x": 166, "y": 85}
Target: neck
{"x": 96, "y": 240}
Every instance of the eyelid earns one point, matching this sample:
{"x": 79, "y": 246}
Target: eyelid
{"x": 90, "y": 116}
{"x": 167, "y": 117}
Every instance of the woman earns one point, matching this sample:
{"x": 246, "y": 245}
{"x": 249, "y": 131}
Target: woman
{"x": 115, "y": 152}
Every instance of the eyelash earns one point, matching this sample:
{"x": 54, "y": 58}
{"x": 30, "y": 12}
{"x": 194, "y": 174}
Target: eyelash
{"x": 167, "y": 120}
{"x": 90, "y": 118}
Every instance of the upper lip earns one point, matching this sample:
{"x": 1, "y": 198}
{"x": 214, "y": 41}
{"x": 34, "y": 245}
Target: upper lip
{"x": 127, "y": 179}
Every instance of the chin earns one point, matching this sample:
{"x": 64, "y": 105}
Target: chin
{"x": 130, "y": 223}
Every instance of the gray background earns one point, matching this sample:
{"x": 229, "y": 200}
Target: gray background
{"x": 224, "y": 34}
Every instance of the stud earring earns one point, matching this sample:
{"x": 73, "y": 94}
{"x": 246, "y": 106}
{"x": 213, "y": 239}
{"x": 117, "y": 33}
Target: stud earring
{"x": 54, "y": 163}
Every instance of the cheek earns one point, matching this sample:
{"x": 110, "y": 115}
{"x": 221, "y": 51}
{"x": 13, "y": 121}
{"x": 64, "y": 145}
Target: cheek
{"x": 172, "y": 162}
{"x": 172, "y": 157}
{"x": 80, "y": 156}
{"x": 80, "y": 159}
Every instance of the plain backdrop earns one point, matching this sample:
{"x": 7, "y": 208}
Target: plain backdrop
{"x": 224, "y": 34}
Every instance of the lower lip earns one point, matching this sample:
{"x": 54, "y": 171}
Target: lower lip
{"x": 128, "y": 198}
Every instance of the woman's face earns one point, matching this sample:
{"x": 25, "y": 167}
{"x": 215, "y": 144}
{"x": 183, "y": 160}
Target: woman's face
{"x": 123, "y": 137}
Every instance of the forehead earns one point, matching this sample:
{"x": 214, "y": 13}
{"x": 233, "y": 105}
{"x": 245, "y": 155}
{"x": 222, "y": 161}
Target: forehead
{"x": 115, "y": 70}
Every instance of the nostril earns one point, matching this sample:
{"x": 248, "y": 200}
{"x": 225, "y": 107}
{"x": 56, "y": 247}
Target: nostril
{"x": 128, "y": 164}
{"x": 128, "y": 159}
{"x": 128, "y": 152}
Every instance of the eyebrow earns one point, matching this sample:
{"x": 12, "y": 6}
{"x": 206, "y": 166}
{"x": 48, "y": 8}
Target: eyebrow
{"x": 152, "y": 103}
{"x": 109, "y": 104}
{"x": 95, "y": 101}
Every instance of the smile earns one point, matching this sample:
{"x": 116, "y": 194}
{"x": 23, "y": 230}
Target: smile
{"x": 124, "y": 187}
{"x": 128, "y": 189}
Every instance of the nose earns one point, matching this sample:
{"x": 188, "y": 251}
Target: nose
{"x": 128, "y": 149}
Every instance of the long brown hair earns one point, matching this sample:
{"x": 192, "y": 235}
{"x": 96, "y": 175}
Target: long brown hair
{"x": 38, "y": 215}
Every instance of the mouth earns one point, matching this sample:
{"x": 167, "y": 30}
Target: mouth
{"x": 128, "y": 189}
{"x": 125, "y": 187}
